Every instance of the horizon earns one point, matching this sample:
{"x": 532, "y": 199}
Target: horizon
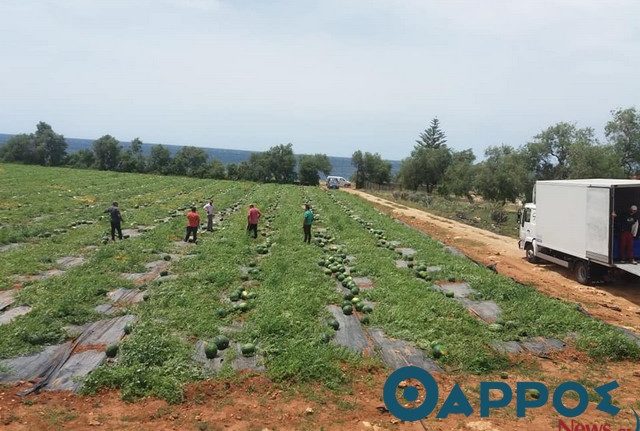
{"x": 329, "y": 77}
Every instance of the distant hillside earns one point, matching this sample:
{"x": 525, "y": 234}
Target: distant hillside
{"x": 341, "y": 165}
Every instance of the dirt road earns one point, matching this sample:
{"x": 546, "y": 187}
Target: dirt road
{"x": 618, "y": 304}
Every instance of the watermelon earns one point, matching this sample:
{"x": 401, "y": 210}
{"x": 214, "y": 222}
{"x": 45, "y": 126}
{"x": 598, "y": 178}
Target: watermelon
{"x": 355, "y": 290}
{"x": 252, "y": 295}
{"x": 347, "y": 309}
{"x": 252, "y": 264}
{"x": 348, "y": 296}
{"x": 235, "y": 296}
{"x": 355, "y": 300}
{"x": 248, "y": 349}
{"x": 128, "y": 328}
{"x": 111, "y": 351}
{"x": 321, "y": 263}
{"x": 340, "y": 277}
{"x": 533, "y": 394}
{"x": 359, "y": 306}
{"x": 367, "y": 309}
{"x": 438, "y": 351}
{"x": 210, "y": 351}
{"x": 221, "y": 342}
{"x": 449, "y": 294}
{"x": 221, "y": 312}
{"x": 167, "y": 257}
{"x": 325, "y": 338}
{"x": 334, "y": 324}
{"x": 243, "y": 307}
{"x": 364, "y": 320}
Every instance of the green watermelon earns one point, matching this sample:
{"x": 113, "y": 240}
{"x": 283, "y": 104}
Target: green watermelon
{"x": 449, "y": 294}
{"x": 221, "y": 312}
{"x": 210, "y": 351}
{"x": 438, "y": 351}
{"x": 248, "y": 349}
{"x": 355, "y": 290}
{"x": 334, "y": 324}
{"x": 235, "y": 296}
{"x": 359, "y": 306}
{"x": 243, "y": 307}
{"x": 128, "y": 328}
{"x": 347, "y": 309}
{"x": 111, "y": 351}
{"x": 364, "y": 320}
{"x": 221, "y": 342}
{"x": 348, "y": 296}
{"x": 367, "y": 309}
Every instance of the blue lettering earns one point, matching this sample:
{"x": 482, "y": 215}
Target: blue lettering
{"x": 486, "y": 404}
{"x": 455, "y": 404}
{"x": 522, "y": 403}
{"x": 583, "y": 399}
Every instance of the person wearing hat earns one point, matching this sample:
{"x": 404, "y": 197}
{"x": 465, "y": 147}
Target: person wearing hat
{"x": 628, "y": 232}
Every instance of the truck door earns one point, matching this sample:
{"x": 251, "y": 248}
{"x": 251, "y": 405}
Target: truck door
{"x": 527, "y": 224}
{"x": 598, "y": 221}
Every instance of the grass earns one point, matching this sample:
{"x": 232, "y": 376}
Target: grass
{"x": 477, "y": 213}
{"x": 286, "y": 320}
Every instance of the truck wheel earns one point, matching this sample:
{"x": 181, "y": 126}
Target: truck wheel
{"x": 531, "y": 257}
{"x": 582, "y": 272}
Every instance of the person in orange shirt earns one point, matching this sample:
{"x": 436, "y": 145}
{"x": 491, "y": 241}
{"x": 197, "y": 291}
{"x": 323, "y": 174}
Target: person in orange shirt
{"x": 193, "y": 221}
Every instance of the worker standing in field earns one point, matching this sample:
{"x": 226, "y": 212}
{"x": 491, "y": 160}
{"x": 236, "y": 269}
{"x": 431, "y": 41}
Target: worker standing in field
{"x": 209, "y": 210}
{"x": 253, "y": 215}
{"x": 116, "y": 220}
{"x": 628, "y": 227}
{"x": 193, "y": 221}
{"x": 307, "y": 220}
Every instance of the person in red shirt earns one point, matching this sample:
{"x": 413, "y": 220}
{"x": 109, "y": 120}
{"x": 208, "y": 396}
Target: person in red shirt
{"x": 193, "y": 221}
{"x": 252, "y": 220}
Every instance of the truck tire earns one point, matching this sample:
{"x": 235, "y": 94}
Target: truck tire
{"x": 582, "y": 272}
{"x": 531, "y": 257}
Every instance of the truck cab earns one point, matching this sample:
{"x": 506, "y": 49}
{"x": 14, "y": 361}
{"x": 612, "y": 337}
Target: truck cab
{"x": 527, "y": 227}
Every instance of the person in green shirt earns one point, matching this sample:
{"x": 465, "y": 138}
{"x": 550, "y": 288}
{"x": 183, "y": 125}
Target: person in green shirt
{"x": 306, "y": 224}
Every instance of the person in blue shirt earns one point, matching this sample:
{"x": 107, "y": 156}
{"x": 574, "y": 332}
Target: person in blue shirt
{"x": 306, "y": 223}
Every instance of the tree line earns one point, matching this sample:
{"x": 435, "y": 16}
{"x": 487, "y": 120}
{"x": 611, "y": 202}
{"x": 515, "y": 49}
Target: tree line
{"x": 278, "y": 164}
{"x": 561, "y": 151}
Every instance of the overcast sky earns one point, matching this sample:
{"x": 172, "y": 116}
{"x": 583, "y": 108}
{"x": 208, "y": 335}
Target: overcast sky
{"x": 329, "y": 76}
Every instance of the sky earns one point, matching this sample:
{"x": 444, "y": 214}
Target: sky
{"x": 329, "y": 76}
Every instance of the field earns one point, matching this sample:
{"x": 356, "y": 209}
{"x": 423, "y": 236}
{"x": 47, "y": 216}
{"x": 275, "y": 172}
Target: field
{"x": 164, "y": 303}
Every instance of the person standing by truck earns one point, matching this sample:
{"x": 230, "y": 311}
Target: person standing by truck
{"x": 253, "y": 215}
{"x": 209, "y": 210}
{"x": 116, "y": 220}
{"x": 306, "y": 223}
{"x": 628, "y": 227}
{"x": 193, "y": 221}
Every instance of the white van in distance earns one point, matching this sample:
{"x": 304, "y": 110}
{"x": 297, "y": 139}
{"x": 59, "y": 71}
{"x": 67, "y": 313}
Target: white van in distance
{"x": 336, "y": 182}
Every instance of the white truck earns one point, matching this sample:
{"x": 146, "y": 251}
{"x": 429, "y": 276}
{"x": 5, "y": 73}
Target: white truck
{"x": 572, "y": 223}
